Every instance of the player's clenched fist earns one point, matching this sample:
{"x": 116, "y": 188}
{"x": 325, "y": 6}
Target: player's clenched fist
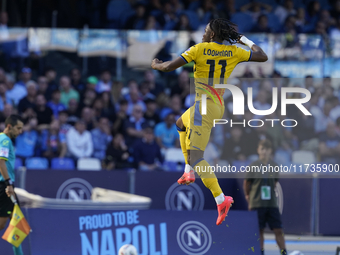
{"x": 155, "y": 62}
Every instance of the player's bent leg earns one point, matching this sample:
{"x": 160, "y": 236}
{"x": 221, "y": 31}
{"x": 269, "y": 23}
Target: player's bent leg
{"x": 182, "y": 124}
{"x": 209, "y": 179}
{"x": 181, "y": 128}
{"x": 188, "y": 175}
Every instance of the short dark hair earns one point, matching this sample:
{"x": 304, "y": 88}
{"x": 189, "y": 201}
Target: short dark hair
{"x": 148, "y": 129}
{"x": 13, "y": 120}
{"x": 123, "y": 102}
{"x": 63, "y": 112}
{"x": 55, "y": 91}
{"x": 266, "y": 144}
{"x": 105, "y": 70}
{"x": 50, "y": 68}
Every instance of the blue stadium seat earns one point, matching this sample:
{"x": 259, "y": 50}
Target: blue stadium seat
{"x": 172, "y": 166}
{"x": 243, "y": 21}
{"x": 62, "y": 164}
{"x": 18, "y": 163}
{"x": 37, "y": 163}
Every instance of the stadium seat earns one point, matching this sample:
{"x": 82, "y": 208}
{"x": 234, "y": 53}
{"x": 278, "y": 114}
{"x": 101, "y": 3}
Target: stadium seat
{"x": 303, "y": 157}
{"x": 18, "y": 163}
{"x": 89, "y": 164}
{"x": 172, "y": 166}
{"x": 174, "y": 155}
{"x": 62, "y": 164}
{"x": 37, "y": 163}
{"x": 244, "y": 22}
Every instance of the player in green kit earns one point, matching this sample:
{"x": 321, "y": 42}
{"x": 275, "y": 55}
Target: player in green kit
{"x": 14, "y": 125}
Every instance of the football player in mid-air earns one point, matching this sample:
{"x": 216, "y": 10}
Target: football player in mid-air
{"x": 214, "y": 62}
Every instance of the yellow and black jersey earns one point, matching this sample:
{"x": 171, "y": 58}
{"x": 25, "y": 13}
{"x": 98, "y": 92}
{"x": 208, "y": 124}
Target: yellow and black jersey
{"x": 214, "y": 63}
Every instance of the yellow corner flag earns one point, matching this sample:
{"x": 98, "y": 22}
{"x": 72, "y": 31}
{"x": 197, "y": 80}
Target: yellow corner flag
{"x": 18, "y": 228}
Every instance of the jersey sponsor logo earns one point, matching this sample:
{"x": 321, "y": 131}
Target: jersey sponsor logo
{"x": 194, "y": 238}
{"x": 75, "y": 189}
{"x": 184, "y": 197}
{"x": 4, "y": 152}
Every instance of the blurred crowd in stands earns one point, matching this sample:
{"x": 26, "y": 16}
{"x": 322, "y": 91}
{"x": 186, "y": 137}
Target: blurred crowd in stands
{"x": 268, "y": 16}
{"x": 133, "y": 124}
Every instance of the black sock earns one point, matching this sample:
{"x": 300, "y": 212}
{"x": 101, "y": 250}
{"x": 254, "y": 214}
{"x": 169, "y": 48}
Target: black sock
{"x": 262, "y": 252}
{"x": 284, "y": 252}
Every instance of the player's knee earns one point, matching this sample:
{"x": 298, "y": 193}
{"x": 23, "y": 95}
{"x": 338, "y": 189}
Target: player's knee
{"x": 195, "y": 156}
{"x": 180, "y": 124}
{"x": 278, "y": 231}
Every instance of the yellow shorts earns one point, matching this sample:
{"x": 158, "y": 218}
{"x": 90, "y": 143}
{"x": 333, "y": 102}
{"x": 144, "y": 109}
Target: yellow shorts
{"x": 198, "y": 126}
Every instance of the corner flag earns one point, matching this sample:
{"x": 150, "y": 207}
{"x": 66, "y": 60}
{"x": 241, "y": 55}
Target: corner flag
{"x": 18, "y": 228}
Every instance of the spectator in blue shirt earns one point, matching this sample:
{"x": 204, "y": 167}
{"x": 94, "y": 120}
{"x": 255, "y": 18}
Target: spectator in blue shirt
{"x": 63, "y": 122}
{"x": 42, "y": 85}
{"x": 133, "y": 97}
{"x": 134, "y": 125}
{"x": 15, "y": 91}
{"x": 29, "y": 100}
{"x": 101, "y": 137}
{"x": 25, "y": 76}
{"x": 76, "y": 80}
{"x": 27, "y": 141}
{"x": 175, "y": 107}
{"x": 105, "y": 82}
{"x": 4, "y": 99}
{"x": 166, "y": 132}
{"x": 53, "y": 142}
{"x": 146, "y": 151}
{"x": 55, "y": 104}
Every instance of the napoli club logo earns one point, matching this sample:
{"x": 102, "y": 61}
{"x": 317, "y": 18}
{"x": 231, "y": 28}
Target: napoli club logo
{"x": 75, "y": 189}
{"x": 194, "y": 238}
{"x": 184, "y": 197}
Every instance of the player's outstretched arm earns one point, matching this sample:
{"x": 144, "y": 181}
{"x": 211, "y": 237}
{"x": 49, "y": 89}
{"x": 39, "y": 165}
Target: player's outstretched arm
{"x": 167, "y": 66}
{"x": 258, "y": 54}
